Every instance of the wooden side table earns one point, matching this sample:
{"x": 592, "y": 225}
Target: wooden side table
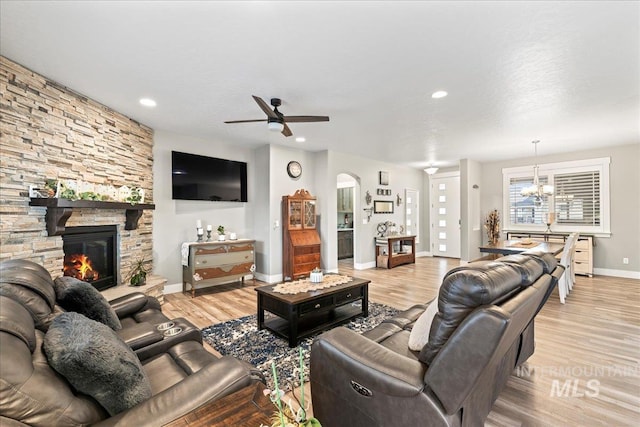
{"x": 248, "y": 407}
{"x": 395, "y": 250}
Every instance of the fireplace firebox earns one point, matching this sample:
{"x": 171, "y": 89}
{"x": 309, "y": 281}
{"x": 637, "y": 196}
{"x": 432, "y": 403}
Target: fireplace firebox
{"x": 91, "y": 254}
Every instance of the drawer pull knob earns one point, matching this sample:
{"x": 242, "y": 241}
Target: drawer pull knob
{"x": 317, "y": 306}
{"x": 349, "y": 295}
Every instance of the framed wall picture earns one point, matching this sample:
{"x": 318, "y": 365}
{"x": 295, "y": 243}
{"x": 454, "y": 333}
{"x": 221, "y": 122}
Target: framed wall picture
{"x": 383, "y": 177}
{"x": 382, "y": 207}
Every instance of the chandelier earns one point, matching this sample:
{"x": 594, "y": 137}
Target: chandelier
{"x": 537, "y": 191}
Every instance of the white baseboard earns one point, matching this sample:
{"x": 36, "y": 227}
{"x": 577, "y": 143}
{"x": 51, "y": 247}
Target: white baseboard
{"x": 173, "y": 288}
{"x": 617, "y": 273}
{"x": 364, "y": 265}
{"x": 274, "y": 278}
{"x": 423, "y": 254}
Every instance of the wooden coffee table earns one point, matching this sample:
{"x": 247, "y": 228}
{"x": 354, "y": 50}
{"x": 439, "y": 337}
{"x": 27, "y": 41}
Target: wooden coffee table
{"x": 306, "y": 313}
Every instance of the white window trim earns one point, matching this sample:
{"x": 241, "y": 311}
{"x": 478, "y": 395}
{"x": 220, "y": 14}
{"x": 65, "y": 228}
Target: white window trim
{"x": 549, "y": 169}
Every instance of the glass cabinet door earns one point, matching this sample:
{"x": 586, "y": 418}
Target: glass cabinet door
{"x": 295, "y": 214}
{"x": 309, "y": 214}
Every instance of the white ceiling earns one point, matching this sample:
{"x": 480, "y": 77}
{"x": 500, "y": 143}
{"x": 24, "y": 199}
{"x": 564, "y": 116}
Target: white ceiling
{"x": 566, "y": 73}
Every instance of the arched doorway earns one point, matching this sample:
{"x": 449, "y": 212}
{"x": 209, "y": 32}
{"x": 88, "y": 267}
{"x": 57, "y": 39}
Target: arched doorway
{"x": 347, "y": 189}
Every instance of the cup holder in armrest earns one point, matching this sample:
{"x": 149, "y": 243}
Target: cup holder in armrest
{"x": 166, "y": 325}
{"x": 172, "y": 331}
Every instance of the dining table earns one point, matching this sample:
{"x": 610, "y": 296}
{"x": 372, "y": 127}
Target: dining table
{"x": 517, "y": 246}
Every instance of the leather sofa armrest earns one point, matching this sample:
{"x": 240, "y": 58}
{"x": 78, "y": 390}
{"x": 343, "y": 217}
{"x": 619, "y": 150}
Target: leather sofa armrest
{"x": 128, "y": 304}
{"x": 8, "y": 422}
{"x": 368, "y": 363}
{"x": 140, "y": 335}
{"x": 216, "y": 380}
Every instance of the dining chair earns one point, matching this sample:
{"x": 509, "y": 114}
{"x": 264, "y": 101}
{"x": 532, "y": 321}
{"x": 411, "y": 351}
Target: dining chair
{"x": 566, "y": 260}
{"x": 572, "y": 279}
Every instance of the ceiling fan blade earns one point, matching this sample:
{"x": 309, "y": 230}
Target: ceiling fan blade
{"x": 301, "y": 119}
{"x": 246, "y": 121}
{"x": 265, "y": 107}
{"x": 286, "y": 131}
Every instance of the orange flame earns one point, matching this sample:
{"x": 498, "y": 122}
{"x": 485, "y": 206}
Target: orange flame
{"x": 80, "y": 267}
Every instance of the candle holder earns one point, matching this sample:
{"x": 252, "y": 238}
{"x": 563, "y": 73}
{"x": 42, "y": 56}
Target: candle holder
{"x": 551, "y": 218}
{"x": 199, "y": 233}
{"x": 208, "y": 235}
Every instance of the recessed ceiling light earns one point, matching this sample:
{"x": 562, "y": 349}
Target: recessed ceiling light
{"x": 148, "y": 102}
{"x": 300, "y": 139}
{"x": 439, "y": 94}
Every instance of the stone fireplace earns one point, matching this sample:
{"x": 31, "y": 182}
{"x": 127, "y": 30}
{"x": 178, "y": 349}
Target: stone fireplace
{"x": 91, "y": 254}
{"x": 52, "y": 132}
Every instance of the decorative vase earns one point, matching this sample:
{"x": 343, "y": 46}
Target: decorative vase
{"x": 492, "y": 225}
{"x": 221, "y": 237}
{"x": 316, "y": 276}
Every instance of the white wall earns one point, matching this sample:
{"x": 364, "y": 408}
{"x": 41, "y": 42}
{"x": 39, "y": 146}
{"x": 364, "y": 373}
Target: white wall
{"x": 174, "y": 221}
{"x": 625, "y": 203}
{"x": 470, "y": 215}
{"x": 262, "y": 223}
{"x": 365, "y": 172}
{"x": 281, "y": 185}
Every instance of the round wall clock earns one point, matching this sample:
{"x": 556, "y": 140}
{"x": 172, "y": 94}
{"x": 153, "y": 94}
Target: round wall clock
{"x": 294, "y": 169}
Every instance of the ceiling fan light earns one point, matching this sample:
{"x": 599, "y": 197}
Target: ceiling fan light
{"x": 276, "y": 126}
{"x": 431, "y": 170}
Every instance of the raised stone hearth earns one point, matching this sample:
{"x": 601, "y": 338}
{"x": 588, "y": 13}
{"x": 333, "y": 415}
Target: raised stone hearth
{"x": 154, "y": 287}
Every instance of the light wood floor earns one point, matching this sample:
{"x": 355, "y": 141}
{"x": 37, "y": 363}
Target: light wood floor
{"x": 585, "y": 369}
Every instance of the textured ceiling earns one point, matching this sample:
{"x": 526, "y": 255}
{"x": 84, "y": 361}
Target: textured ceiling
{"x": 566, "y": 73}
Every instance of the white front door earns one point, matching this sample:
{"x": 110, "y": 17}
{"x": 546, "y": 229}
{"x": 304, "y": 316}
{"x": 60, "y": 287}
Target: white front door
{"x": 445, "y": 215}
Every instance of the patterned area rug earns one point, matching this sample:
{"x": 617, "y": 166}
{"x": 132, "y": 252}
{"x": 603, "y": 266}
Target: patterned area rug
{"x": 240, "y": 338}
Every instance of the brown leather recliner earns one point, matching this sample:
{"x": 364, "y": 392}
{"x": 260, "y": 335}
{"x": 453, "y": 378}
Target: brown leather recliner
{"x": 483, "y": 329}
{"x": 31, "y": 285}
{"x": 33, "y": 393}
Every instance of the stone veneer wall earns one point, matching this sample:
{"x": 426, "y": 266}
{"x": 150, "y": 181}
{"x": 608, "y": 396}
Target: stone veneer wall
{"x": 49, "y": 131}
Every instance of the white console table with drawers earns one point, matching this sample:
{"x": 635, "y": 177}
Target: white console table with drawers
{"x": 217, "y": 262}
{"x": 583, "y": 259}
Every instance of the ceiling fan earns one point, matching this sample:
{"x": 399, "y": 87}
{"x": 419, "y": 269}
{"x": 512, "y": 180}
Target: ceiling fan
{"x": 276, "y": 120}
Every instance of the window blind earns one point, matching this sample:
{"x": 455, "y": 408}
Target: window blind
{"x": 577, "y": 198}
{"x": 526, "y": 210}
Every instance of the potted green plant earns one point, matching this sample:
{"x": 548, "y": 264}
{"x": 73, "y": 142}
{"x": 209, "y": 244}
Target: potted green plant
{"x": 221, "y": 235}
{"x": 136, "y": 196}
{"x": 138, "y": 273}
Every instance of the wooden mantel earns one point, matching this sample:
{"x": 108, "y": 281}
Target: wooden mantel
{"x": 59, "y": 211}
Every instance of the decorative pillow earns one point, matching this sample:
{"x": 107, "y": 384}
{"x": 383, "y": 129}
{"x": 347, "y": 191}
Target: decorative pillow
{"x": 419, "y": 336}
{"x": 96, "y": 362}
{"x": 75, "y": 295}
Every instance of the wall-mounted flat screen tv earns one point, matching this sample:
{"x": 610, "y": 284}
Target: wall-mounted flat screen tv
{"x": 197, "y": 177}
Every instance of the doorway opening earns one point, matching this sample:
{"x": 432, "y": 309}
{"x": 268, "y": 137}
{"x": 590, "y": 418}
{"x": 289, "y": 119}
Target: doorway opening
{"x": 346, "y": 219}
{"x": 445, "y": 214}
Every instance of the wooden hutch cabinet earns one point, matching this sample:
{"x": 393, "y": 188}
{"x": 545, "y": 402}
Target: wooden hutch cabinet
{"x": 300, "y": 238}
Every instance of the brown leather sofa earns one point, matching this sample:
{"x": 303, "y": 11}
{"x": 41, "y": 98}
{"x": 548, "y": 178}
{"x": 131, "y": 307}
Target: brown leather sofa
{"x": 182, "y": 375}
{"x": 483, "y": 328}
